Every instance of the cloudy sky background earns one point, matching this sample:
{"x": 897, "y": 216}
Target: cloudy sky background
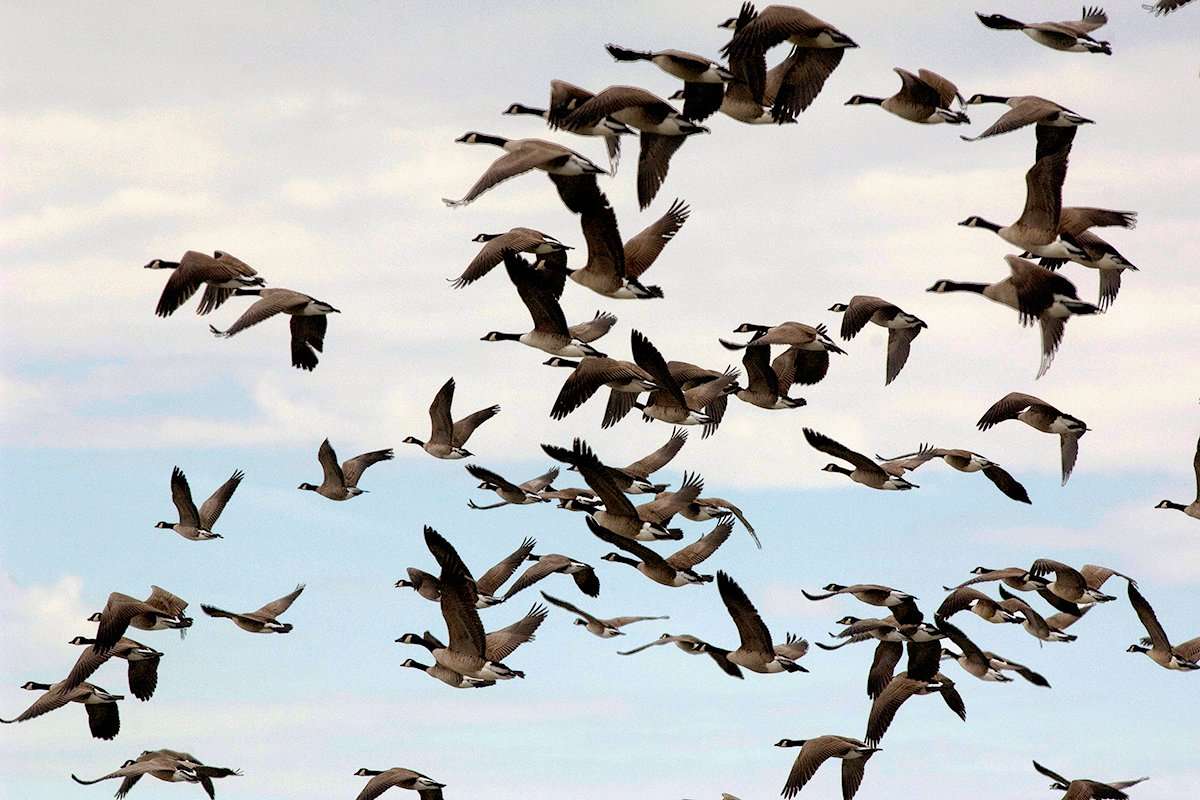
{"x": 315, "y": 144}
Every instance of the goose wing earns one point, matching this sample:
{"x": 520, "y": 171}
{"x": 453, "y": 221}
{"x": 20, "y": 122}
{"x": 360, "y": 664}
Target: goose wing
{"x": 1074, "y": 220}
{"x": 307, "y": 339}
{"x": 1158, "y": 636}
{"x": 330, "y": 467}
{"x": 1012, "y": 404}
{"x": 596, "y": 474}
{"x": 56, "y": 697}
{"x": 648, "y": 465}
{"x": 270, "y": 303}
{"x": 1065, "y": 576}
{"x": 885, "y": 706}
{"x": 488, "y": 476}
{"x": 535, "y": 485}
{"x": 181, "y": 495}
{"x": 647, "y": 356}
{"x": 439, "y": 414}
{"x": 946, "y": 91}
{"x": 594, "y": 328}
{"x": 643, "y": 249}
{"x": 517, "y": 240}
{"x": 717, "y": 502}
{"x": 501, "y": 644}
{"x": 759, "y": 375}
{"x": 194, "y": 270}
{"x": 631, "y": 546}
{"x": 1029, "y": 111}
{"x": 462, "y": 619}
{"x": 538, "y": 297}
{"x": 463, "y": 428}
{"x": 615, "y": 99}
{"x": 579, "y": 612}
{"x": 797, "y": 365}
{"x": 813, "y": 753}
{"x": 899, "y": 343}
{"x": 276, "y": 607}
{"x": 826, "y": 445}
{"x": 1043, "y": 197}
{"x": 215, "y": 504}
{"x": 666, "y": 505}
{"x": 605, "y": 252}
{"x": 495, "y": 577}
{"x": 115, "y": 618}
{"x": 586, "y": 380}
{"x": 654, "y": 160}
{"x": 859, "y": 311}
{"x": 511, "y": 164}
{"x": 1006, "y": 483}
{"x": 699, "y": 550}
{"x": 353, "y": 468}
{"x": 883, "y": 666}
{"x": 756, "y": 639}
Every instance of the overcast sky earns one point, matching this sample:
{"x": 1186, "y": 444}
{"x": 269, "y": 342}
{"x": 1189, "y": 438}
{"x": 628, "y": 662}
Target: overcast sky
{"x": 314, "y": 142}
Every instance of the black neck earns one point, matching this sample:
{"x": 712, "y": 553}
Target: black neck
{"x": 625, "y": 560}
{"x": 875, "y": 101}
{"x": 244, "y": 292}
{"x": 841, "y": 469}
{"x": 992, "y": 98}
{"x": 520, "y": 109}
{"x": 954, "y": 286}
{"x": 989, "y": 226}
{"x": 508, "y": 337}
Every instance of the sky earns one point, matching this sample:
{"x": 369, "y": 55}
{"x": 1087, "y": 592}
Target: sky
{"x": 315, "y": 141}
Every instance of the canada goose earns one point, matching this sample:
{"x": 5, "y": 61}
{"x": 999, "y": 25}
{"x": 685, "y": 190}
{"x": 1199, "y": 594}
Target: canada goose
{"x": 448, "y": 676}
{"x": 1041, "y": 416}
{"x": 159, "y": 611}
{"x": 604, "y": 628}
{"x": 756, "y": 652}
{"x": 869, "y": 593}
{"x": 382, "y": 780}
{"x": 508, "y": 492}
{"x": 1163, "y": 7}
{"x": 589, "y": 374}
{"x": 613, "y": 268}
{"x": 739, "y": 103}
{"x": 763, "y": 388}
{"x": 1160, "y": 651}
{"x": 1069, "y": 583}
{"x": 448, "y": 438}
{"x": 1018, "y": 578}
{"x": 308, "y": 325}
{"x": 1094, "y": 577}
{"x": 486, "y": 586}
{"x": 793, "y": 334}
{"x": 265, "y": 619}
{"x": 220, "y": 273}
{"x": 635, "y": 478}
{"x": 1055, "y": 124}
{"x": 172, "y": 766}
{"x": 1070, "y": 35}
{"x": 1035, "y": 293}
{"x": 569, "y": 171}
{"x": 923, "y": 98}
{"x": 970, "y": 657}
{"x": 703, "y": 509}
{"x": 1034, "y": 623}
{"x": 888, "y": 629}
{"x": 1191, "y": 509}
{"x": 963, "y": 461}
{"x": 670, "y": 402}
{"x": 567, "y": 496}
{"x": 663, "y": 129}
{"x": 817, "y": 50}
{"x": 965, "y": 598}
{"x": 540, "y": 291}
{"x": 1075, "y": 225}
{"x": 104, "y": 720}
{"x": 197, "y": 525}
{"x": 551, "y": 563}
{"x": 143, "y": 664}
{"x": 568, "y": 94}
{"x": 900, "y": 688}
{"x": 692, "y": 646}
{"x": 676, "y": 569}
{"x": 1085, "y": 789}
{"x": 619, "y": 514}
{"x": 340, "y": 482}
{"x": 499, "y": 245}
{"x": 865, "y": 471}
{"x": 902, "y": 327}
{"x": 498, "y": 644}
{"x": 1003, "y": 664}
{"x": 703, "y": 79}
{"x": 816, "y": 751}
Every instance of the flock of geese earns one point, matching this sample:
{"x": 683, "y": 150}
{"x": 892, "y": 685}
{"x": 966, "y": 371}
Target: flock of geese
{"x": 775, "y": 358}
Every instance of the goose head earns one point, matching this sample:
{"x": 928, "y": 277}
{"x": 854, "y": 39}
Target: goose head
{"x": 163, "y": 524}
{"x": 1000, "y": 22}
{"x": 308, "y": 487}
{"x": 839, "y": 308}
{"x": 412, "y": 440}
{"x": 1137, "y": 648}
{"x": 791, "y": 742}
{"x": 158, "y": 263}
{"x": 364, "y": 772}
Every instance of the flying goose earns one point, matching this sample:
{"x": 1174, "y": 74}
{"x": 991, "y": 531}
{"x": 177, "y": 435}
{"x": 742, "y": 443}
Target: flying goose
{"x": 924, "y": 98}
{"x": 496, "y": 246}
{"x": 618, "y": 515}
{"x": 865, "y": 471}
{"x": 197, "y": 525}
{"x": 142, "y": 660}
{"x": 902, "y": 327}
{"x": 692, "y": 646}
{"x": 448, "y": 439}
{"x": 1055, "y": 124}
{"x": 486, "y": 586}
{"x": 569, "y": 171}
{"x": 973, "y": 660}
{"x": 1069, "y": 612}
{"x": 870, "y": 593}
{"x": 1160, "y": 651}
{"x": 756, "y": 652}
{"x": 570, "y": 95}
{"x": 817, "y": 49}
{"x": 663, "y": 129}
{"x": 265, "y": 619}
{"x": 792, "y": 334}
{"x": 604, "y": 628}
{"x": 1075, "y": 223}
{"x": 888, "y": 629}
{"x": 1163, "y": 7}
{"x": 104, "y": 720}
{"x": 1003, "y": 664}
{"x": 900, "y": 688}
{"x": 172, "y": 766}
{"x": 1070, "y": 584}
{"x": 589, "y": 374}
{"x": 676, "y": 569}
{"x": 508, "y": 492}
{"x": 551, "y": 563}
{"x": 539, "y": 291}
{"x": 1018, "y": 578}
{"x": 1086, "y": 789}
{"x": 763, "y": 387}
{"x": 220, "y": 273}
{"x": 703, "y": 509}
{"x": 382, "y": 780}
{"x": 739, "y": 103}
{"x": 963, "y": 461}
{"x": 308, "y": 324}
{"x": 1041, "y": 416}
{"x": 1034, "y": 623}
{"x": 614, "y": 269}
{"x": 1035, "y": 293}
{"x": 1192, "y": 509}
{"x": 448, "y": 676}
{"x": 635, "y": 478}
{"x": 816, "y": 751}
{"x": 159, "y": 611}
{"x": 703, "y": 79}
{"x": 498, "y": 644}
{"x": 965, "y": 598}
{"x": 1070, "y": 35}
{"x": 340, "y": 482}
{"x": 671, "y": 402}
